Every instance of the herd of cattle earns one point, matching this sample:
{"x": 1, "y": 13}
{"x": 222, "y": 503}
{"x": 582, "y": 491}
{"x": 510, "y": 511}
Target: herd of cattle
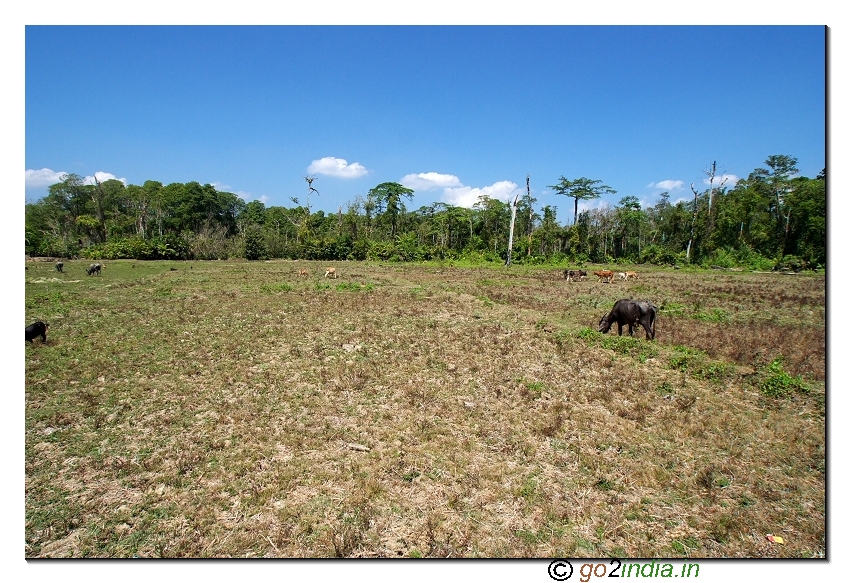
{"x": 604, "y": 275}
{"x": 624, "y": 313}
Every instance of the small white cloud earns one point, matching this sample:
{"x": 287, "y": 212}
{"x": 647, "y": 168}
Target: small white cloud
{"x": 730, "y": 179}
{"x": 430, "y": 181}
{"x": 42, "y": 178}
{"x": 103, "y": 177}
{"x": 466, "y": 196}
{"x": 337, "y": 167}
{"x": 589, "y": 205}
{"x": 668, "y": 185}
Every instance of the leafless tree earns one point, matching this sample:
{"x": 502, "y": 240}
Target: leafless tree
{"x": 511, "y": 233}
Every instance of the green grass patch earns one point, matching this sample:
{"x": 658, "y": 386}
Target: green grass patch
{"x": 714, "y": 315}
{"x": 685, "y": 546}
{"x": 779, "y": 383}
{"x": 354, "y": 287}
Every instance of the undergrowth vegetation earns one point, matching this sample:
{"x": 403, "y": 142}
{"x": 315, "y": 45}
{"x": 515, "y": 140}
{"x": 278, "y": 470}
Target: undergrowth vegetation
{"x": 239, "y": 409}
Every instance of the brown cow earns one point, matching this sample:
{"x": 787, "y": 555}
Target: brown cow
{"x": 302, "y": 272}
{"x": 631, "y": 275}
{"x": 605, "y": 275}
{"x": 330, "y": 272}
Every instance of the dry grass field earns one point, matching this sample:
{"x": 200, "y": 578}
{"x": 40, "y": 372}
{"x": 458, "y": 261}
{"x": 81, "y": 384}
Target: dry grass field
{"x": 235, "y": 409}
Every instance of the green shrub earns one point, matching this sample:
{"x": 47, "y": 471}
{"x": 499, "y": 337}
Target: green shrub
{"x": 658, "y": 255}
{"x": 790, "y": 263}
{"x": 167, "y": 247}
{"x": 779, "y": 383}
{"x": 685, "y": 358}
{"x": 715, "y": 315}
{"x": 255, "y": 244}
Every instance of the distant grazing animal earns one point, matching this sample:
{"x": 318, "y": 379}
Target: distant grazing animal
{"x": 330, "y": 272}
{"x": 574, "y": 274}
{"x": 630, "y": 312}
{"x": 621, "y": 276}
{"x": 37, "y": 329}
{"x": 605, "y": 275}
{"x": 59, "y": 266}
{"x": 302, "y": 272}
{"x": 631, "y": 275}
{"x": 94, "y": 268}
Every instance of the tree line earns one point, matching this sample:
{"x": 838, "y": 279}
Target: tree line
{"x": 772, "y": 217}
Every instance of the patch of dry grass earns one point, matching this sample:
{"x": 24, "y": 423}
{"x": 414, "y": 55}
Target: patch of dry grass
{"x": 232, "y": 409}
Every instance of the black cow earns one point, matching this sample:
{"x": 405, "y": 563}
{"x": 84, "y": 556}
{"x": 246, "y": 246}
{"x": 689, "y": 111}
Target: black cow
{"x": 37, "y": 329}
{"x": 59, "y": 266}
{"x": 631, "y": 312}
{"x": 94, "y": 268}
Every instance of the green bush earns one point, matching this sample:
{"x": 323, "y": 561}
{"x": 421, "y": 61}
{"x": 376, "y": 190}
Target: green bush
{"x": 779, "y": 383}
{"x": 790, "y": 263}
{"x": 255, "y": 245}
{"x": 715, "y": 315}
{"x": 658, "y": 255}
{"x": 166, "y": 247}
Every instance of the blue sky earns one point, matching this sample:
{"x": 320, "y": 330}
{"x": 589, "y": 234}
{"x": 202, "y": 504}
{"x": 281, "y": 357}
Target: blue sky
{"x": 450, "y": 111}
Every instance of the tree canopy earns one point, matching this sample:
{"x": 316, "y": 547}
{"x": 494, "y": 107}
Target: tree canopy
{"x": 772, "y": 215}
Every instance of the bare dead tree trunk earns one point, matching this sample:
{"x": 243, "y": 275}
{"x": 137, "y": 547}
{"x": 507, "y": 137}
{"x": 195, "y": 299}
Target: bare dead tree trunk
{"x": 309, "y": 180}
{"x": 711, "y": 172}
{"x": 693, "y": 223}
{"x": 511, "y": 232}
{"x": 530, "y": 213}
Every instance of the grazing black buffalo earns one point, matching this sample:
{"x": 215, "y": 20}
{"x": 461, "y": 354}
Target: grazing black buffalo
{"x": 94, "y": 268}
{"x": 59, "y": 266}
{"x": 37, "y": 329}
{"x": 631, "y": 312}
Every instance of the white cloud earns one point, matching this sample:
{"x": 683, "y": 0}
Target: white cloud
{"x": 455, "y": 192}
{"x": 47, "y": 177}
{"x": 588, "y": 205}
{"x": 103, "y": 177}
{"x": 430, "y": 181}
{"x": 466, "y": 196}
{"x": 731, "y": 180}
{"x": 42, "y": 178}
{"x": 337, "y": 167}
{"x": 668, "y": 185}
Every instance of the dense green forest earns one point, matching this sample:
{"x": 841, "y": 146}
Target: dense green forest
{"x": 773, "y": 217}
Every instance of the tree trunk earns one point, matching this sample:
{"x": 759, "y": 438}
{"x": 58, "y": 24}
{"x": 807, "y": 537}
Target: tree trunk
{"x": 693, "y": 222}
{"x": 530, "y": 212}
{"x": 511, "y": 232}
